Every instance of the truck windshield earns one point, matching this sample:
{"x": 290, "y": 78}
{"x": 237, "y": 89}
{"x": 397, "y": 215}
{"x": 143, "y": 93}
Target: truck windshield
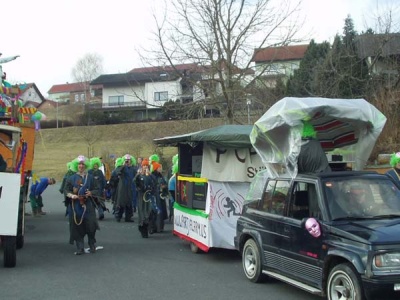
{"x": 361, "y": 197}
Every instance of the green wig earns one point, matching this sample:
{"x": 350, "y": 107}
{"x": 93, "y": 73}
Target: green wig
{"x": 308, "y": 130}
{"x": 79, "y": 159}
{"x": 175, "y": 168}
{"x": 154, "y": 157}
{"x": 119, "y": 162}
{"x": 95, "y": 161}
{"x": 395, "y": 159}
{"x": 175, "y": 159}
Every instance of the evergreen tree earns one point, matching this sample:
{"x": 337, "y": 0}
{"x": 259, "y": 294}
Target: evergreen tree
{"x": 343, "y": 74}
{"x": 302, "y": 82}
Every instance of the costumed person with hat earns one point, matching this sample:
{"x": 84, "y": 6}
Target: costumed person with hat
{"x": 125, "y": 189}
{"x": 394, "y": 173}
{"x": 70, "y": 172}
{"x": 99, "y": 183}
{"x": 82, "y": 210}
{"x": 144, "y": 185}
{"x": 160, "y": 191}
{"x": 35, "y": 196}
{"x": 312, "y": 158}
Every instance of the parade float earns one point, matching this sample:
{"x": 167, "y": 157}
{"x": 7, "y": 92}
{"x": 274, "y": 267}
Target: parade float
{"x": 216, "y": 167}
{"x": 17, "y": 141}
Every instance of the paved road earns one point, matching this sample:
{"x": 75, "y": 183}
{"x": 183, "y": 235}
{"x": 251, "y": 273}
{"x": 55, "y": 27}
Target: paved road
{"x": 129, "y": 267}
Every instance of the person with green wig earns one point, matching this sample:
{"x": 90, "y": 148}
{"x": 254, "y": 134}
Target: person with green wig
{"x": 126, "y": 191}
{"x": 312, "y": 158}
{"x": 394, "y": 173}
{"x": 69, "y": 173}
{"x": 100, "y": 183}
{"x": 114, "y": 179}
{"x": 80, "y": 188}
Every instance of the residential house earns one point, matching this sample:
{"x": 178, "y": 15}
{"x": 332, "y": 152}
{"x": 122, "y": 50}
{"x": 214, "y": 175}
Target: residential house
{"x": 381, "y": 52}
{"x": 30, "y": 95}
{"x": 273, "y": 63}
{"x": 144, "y": 91}
{"x": 74, "y": 93}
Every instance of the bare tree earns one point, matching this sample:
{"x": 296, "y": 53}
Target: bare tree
{"x": 218, "y": 37}
{"x": 86, "y": 69}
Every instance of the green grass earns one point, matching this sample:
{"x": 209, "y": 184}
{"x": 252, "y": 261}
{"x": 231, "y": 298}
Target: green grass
{"x": 54, "y": 148}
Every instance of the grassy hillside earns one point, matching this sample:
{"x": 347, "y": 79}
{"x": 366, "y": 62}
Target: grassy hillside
{"x": 55, "y": 147}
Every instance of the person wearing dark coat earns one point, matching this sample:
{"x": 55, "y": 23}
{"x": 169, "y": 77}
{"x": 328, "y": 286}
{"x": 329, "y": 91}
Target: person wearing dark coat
{"x": 144, "y": 184}
{"x": 82, "y": 210}
{"x": 126, "y": 189}
{"x": 160, "y": 191}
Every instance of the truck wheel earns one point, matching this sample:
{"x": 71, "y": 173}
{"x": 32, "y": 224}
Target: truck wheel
{"x": 344, "y": 283}
{"x": 10, "y": 251}
{"x": 251, "y": 262}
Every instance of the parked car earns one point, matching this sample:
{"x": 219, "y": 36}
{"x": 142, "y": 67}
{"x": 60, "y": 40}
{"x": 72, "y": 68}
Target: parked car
{"x": 333, "y": 234}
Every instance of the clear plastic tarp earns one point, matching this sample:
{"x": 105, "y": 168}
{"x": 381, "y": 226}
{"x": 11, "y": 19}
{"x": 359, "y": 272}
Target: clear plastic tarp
{"x": 346, "y": 127}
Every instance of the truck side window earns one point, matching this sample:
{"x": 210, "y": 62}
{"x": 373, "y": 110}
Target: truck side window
{"x": 273, "y": 200}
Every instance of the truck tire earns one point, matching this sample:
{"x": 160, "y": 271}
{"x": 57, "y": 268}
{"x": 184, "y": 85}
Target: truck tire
{"x": 10, "y": 251}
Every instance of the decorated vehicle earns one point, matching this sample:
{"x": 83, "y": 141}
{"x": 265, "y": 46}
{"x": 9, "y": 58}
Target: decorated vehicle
{"x": 17, "y": 140}
{"x": 331, "y": 233}
{"x": 216, "y": 167}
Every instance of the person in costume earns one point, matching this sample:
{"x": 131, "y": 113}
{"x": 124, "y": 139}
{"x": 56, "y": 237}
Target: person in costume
{"x": 312, "y": 158}
{"x": 125, "y": 189}
{"x": 394, "y": 173}
{"x": 114, "y": 179}
{"x": 144, "y": 184}
{"x": 172, "y": 185}
{"x": 35, "y": 196}
{"x": 82, "y": 210}
{"x": 70, "y": 172}
{"x": 100, "y": 183}
{"x": 160, "y": 191}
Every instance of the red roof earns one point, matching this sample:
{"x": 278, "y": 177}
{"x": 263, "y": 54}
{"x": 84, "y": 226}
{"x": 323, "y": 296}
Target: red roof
{"x": 67, "y": 88}
{"x": 270, "y": 54}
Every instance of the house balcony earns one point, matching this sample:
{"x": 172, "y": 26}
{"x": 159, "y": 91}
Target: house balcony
{"x": 106, "y": 107}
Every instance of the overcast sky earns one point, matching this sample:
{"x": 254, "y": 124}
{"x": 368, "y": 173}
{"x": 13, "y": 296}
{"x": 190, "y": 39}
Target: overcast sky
{"x": 51, "y": 35}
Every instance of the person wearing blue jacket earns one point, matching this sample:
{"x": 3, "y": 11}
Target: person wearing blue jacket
{"x": 35, "y": 196}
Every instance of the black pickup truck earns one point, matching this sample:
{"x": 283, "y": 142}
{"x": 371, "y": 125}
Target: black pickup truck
{"x": 334, "y": 234}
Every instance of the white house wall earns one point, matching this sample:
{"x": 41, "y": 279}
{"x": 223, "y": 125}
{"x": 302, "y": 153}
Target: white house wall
{"x": 131, "y": 94}
{"x": 31, "y": 95}
{"x": 172, "y": 87}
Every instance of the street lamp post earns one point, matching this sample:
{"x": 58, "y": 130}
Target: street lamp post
{"x": 248, "y": 111}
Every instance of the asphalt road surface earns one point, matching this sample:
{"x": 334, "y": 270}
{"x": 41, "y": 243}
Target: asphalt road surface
{"x": 129, "y": 267}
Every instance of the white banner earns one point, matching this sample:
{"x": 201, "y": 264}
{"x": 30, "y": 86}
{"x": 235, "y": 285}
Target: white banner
{"x": 224, "y": 205}
{"x": 9, "y": 203}
{"x": 224, "y": 165}
{"x": 191, "y": 227}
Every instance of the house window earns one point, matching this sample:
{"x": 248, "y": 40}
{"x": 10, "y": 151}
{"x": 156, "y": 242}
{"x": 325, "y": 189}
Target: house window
{"x": 82, "y": 97}
{"x": 76, "y": 97}
{"x": 160, "y": 96}
{"x": 116, "y": 100}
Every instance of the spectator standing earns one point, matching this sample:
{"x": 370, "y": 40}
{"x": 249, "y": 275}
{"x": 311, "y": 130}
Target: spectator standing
{"x": 394, "y": 173}
{"x": 144, "y": 184}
